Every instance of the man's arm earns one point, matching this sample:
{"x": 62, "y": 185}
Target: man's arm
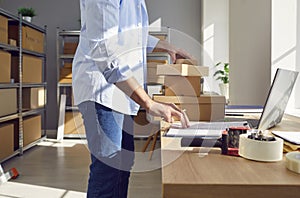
{"x": 131, "y": 88}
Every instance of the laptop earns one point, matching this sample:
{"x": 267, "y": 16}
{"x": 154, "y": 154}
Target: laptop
{"x": 276, "y": 101}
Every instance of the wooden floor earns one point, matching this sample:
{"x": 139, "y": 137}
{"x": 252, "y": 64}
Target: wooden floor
{"x": 61, "y": 170}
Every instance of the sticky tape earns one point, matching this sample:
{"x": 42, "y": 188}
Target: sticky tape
{"x": 292, "y": 161}
{"x": 265, "y": 151}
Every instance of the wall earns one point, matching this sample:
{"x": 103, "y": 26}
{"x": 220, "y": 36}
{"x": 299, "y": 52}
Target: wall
{"x": 184, "y": 16}
{"x": 286, "y": 42}
{"x": 250, "y": 51}
{"x": 215, "y": 29}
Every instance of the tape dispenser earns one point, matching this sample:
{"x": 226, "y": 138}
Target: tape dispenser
{"x": 260, "y": 147}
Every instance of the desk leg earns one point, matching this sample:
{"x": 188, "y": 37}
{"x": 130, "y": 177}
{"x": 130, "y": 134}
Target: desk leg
{"x": 153, "y": 144}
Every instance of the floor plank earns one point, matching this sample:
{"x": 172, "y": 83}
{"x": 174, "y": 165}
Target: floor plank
{"x": 63, "y": 168}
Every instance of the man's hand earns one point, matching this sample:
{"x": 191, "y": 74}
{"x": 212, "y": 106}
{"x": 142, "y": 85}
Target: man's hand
{"x": 175, "y": 53}
{"x": 165, "y": 110}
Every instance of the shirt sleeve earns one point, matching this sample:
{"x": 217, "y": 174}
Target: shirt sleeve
{"x": 105, "y": 43}
{"x": 151, "y": 43}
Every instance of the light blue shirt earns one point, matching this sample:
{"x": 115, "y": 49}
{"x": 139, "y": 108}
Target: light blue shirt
{"x": 113, "y": 44}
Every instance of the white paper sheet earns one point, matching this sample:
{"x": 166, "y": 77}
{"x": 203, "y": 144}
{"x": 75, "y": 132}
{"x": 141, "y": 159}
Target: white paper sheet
{"x": 291, "y": 136}
{"x": 212, "y": 129}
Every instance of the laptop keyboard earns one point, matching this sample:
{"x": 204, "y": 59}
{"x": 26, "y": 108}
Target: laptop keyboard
{"x": 253, "y": 123}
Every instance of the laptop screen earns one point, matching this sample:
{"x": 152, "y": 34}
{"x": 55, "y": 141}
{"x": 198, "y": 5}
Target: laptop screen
{"x": 278, "y": 98}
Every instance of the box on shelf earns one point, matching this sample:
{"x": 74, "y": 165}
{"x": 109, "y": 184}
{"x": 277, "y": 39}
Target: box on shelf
{"x": 182, "y": 70}
{"x": 31, "y": 39}
{"x": 65, "y": 72}
{"x": 142, "y": 127}
{"x": 5, "y": 66}
{"x": 65, "y": 80}
{"x": 12, "y": 42}
{"x": 182, "y": 86}
{"x": 68, "y": 65}
{"x": 70, "y": 48}
{"x": 33, "y": 98}
{"x": 73, "y": 123}
{"x": 6, "y": 140}
{"x": 32, "y": 69}
{"x": 3, "y": 29}
{"x": 203, "y": 108}
{"x": 32, "y": 129}
{"x": 8, "y": 101}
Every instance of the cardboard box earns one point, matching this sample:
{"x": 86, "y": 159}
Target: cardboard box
{"x": 65, "y": 80}
{"x": 6, "y": 140}
{"x": 32, "y": 129}
{"x": 5, "y": 66}
{"x": 67, "y": 65}
{"x": 73, "y": 123}
{"x": 31, "y": 39}
{"x": 32, "y": 69}
{"x": 187, "y": 61}
{"x": 70, "y": 48}
{"x": 182, "y": 70}
{"x": 8, "y": 101}
{"x": 3, "y": 30}
{"x": 33, "y": 98}
{"x": 203, "y": 108}
{"x": 182, "y": 86}
{"x": 12, "y": 42}
{"x": 142, "y": 127}
{"x": 65, "y": 72}
{"x": 152, "y": 77}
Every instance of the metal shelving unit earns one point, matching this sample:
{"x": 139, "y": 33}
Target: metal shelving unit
{"x": 21, "y": 114}
{"x": 64, "y": 90}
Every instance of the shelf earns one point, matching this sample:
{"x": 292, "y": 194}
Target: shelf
{"x": 34, "y": 143}
{"x": 69, "y": 33}
{"x": 34, "y": 85}
{"x": 9, "y": 85}
{"x": 65, "y": 84}
{"x": 76, "y": 136}
{"x": 32, "y": 112}
{"x": 66, "y": 56}
{"x": 9, "y": 117}
{"x": 16, "y": 18}
{"x": 9, "y": 48}
{"x": 12, "y": 155}
{"x": 8, "y": 14}
{"x": 29, "y": 52}
{"x": 19, "y": 51}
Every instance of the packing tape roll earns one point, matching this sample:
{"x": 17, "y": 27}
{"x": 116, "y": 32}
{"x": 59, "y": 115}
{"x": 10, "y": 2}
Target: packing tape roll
{"x": 265, "y": 151}
{"x": 292, "y": 161}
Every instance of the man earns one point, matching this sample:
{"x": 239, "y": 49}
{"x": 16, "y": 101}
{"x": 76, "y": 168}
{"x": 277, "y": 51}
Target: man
{"x": 108, "y": 79}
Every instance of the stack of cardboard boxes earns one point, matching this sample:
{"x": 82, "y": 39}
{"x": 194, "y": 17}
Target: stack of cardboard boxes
{"x": 32, "y": 72}
{"x": 183, "y": 87}
{"x": 69, "y": 48}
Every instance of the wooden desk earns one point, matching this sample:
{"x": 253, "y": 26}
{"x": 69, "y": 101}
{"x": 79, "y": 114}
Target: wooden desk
{"x": 186, "y": 173}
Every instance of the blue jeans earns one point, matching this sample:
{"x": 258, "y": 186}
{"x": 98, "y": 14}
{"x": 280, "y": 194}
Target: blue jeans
{"x": 110, "y": 141}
